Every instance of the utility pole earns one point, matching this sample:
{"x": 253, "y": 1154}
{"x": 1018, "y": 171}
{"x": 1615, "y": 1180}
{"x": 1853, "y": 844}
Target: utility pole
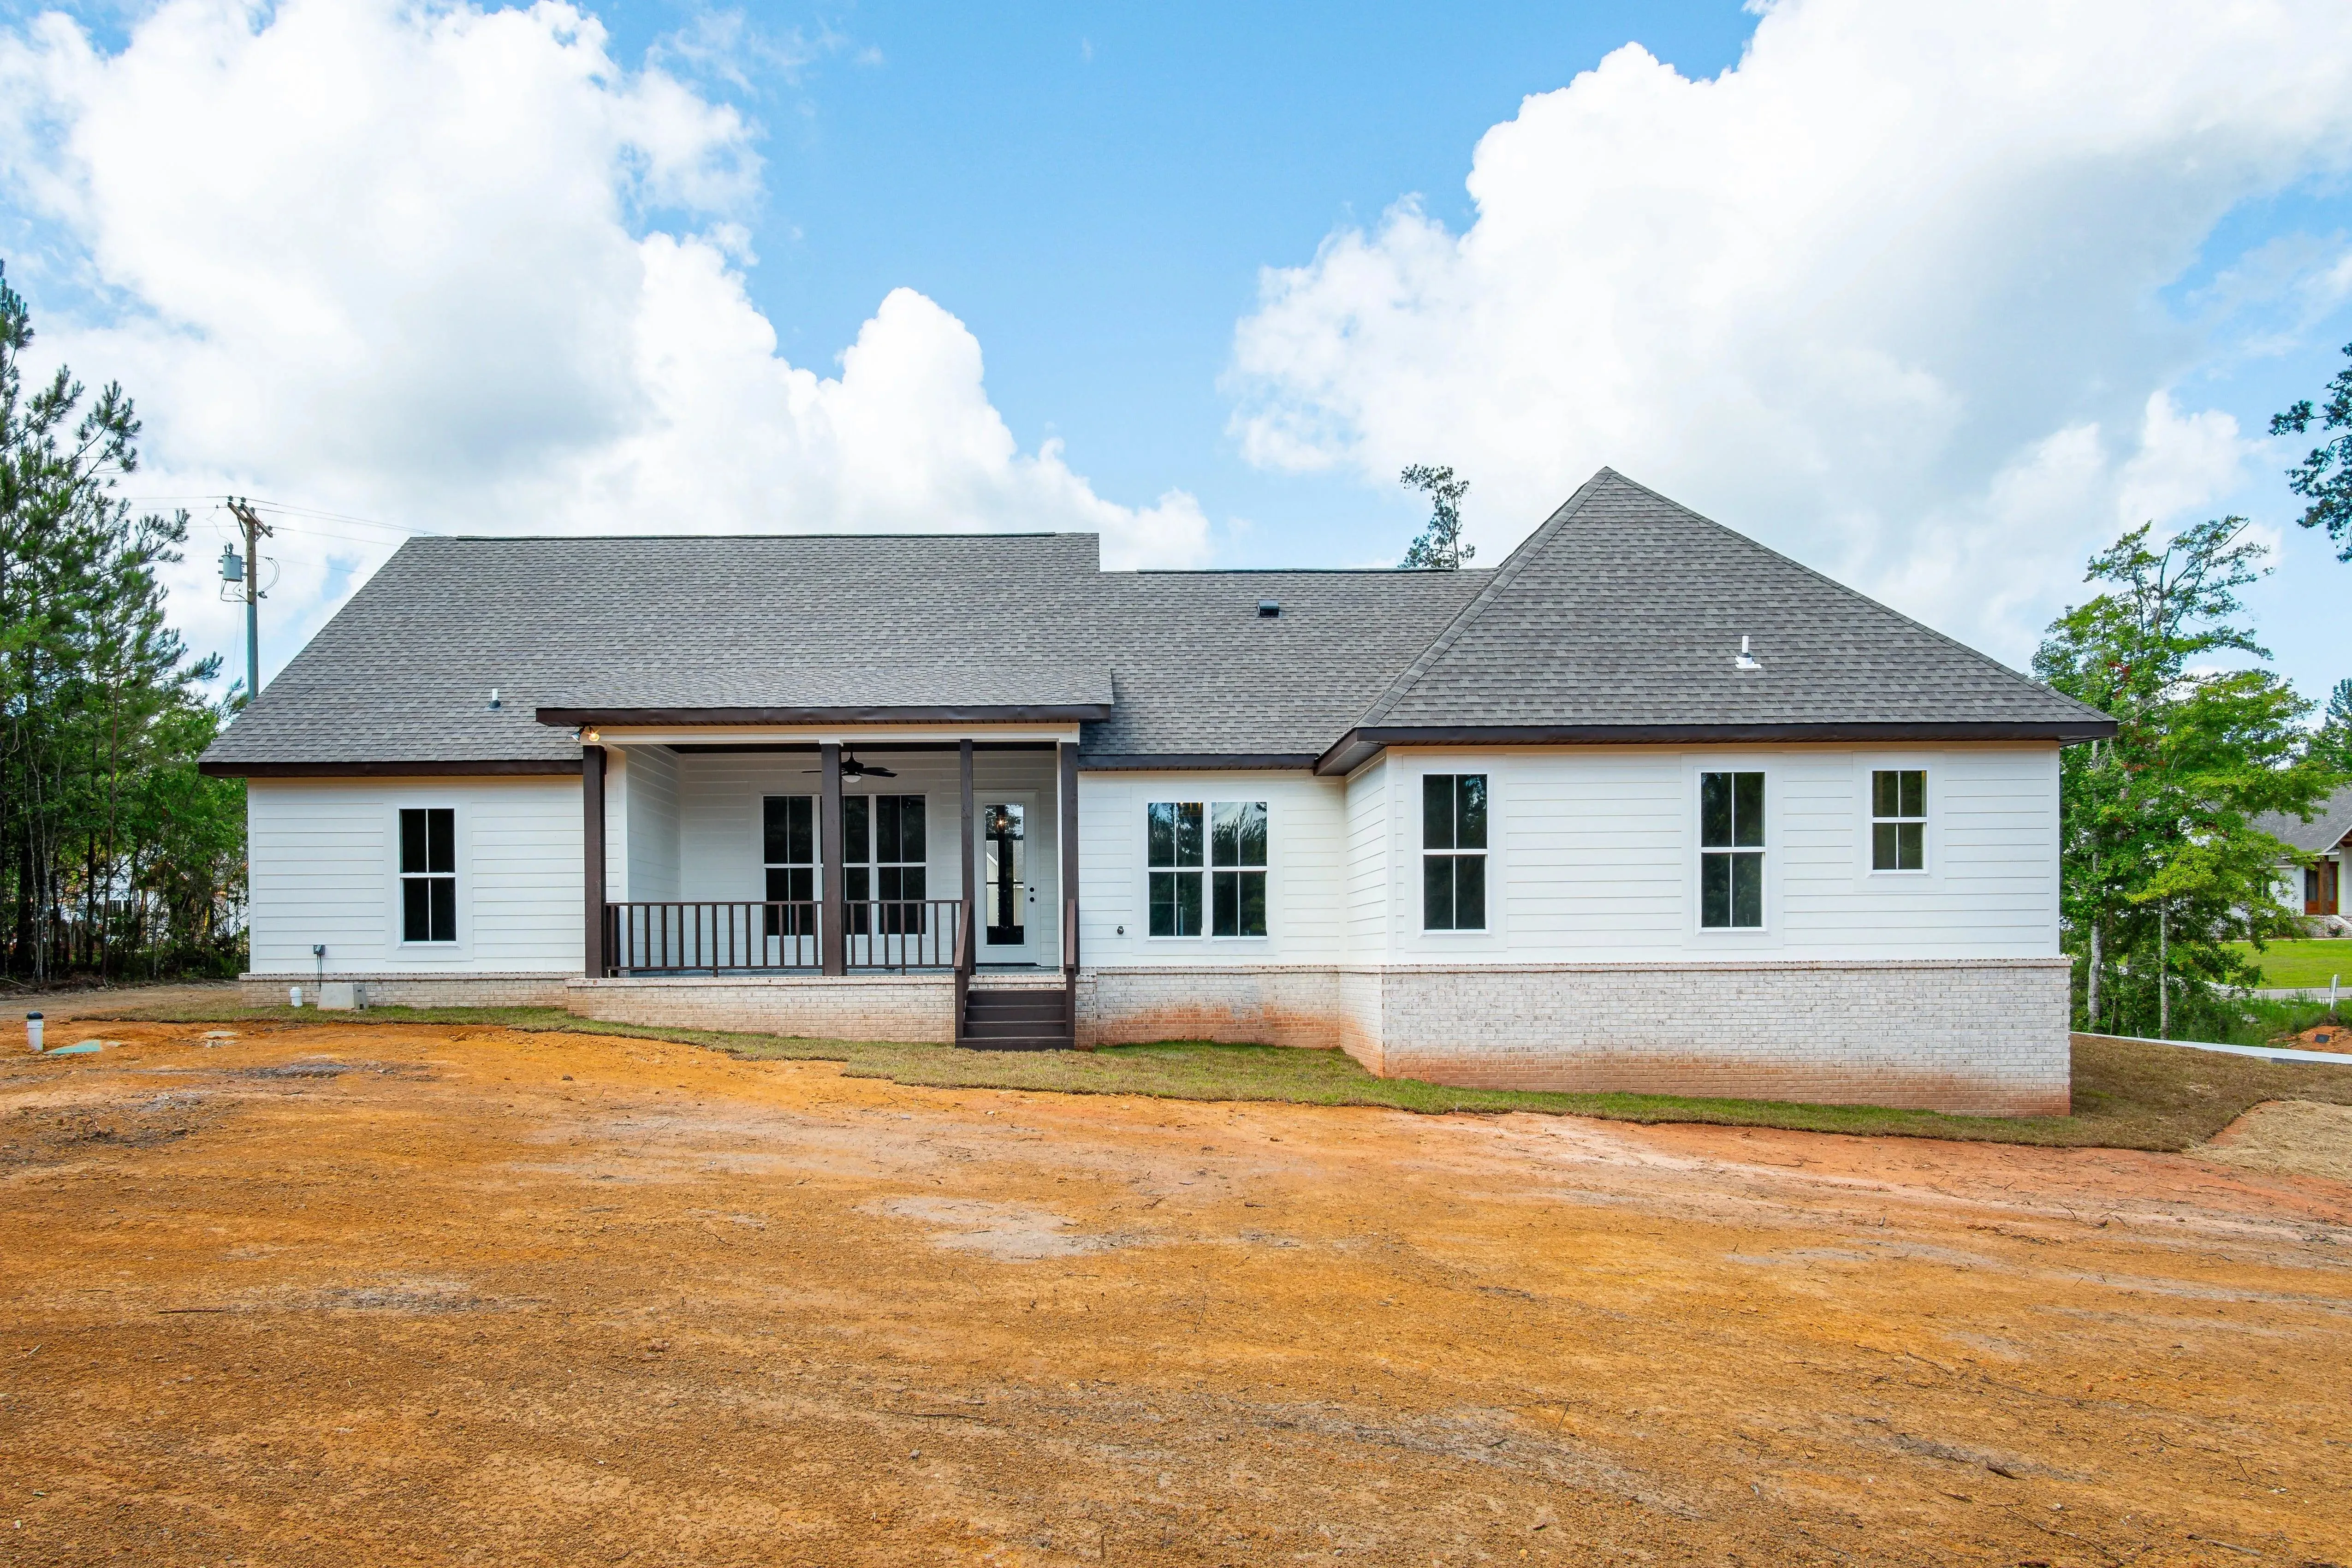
{"x": 254, "y": 530}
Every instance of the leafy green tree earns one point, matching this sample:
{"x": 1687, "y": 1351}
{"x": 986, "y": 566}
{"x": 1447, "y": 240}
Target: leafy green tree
{"x": 2324, "y": 478}
{"x": 1439, "y": 548}
{"x": 101, "y": 715}
{"x": 2332, "y": 741}
{"x": 2162, "y": 865}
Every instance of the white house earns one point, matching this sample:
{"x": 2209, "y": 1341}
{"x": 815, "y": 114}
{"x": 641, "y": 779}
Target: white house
{"x": 1645, "y": 807}
{"x": 2312, "y": 882}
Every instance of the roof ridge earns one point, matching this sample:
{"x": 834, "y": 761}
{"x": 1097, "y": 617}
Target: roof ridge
{"x": 1855, "y": 594}
{"x": 1505, "y": 574}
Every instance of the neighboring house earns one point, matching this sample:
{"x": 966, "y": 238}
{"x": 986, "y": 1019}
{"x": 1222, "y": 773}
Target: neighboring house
{"x": 2312, "y": 883}
{"x": 1645, "y": 807}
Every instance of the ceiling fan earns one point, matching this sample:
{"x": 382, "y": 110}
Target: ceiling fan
{"x": 851, "y": 768}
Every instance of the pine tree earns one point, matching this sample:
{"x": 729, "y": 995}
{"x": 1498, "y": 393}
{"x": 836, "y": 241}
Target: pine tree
{"x": 2324, "y": 478}
{"x": 1439, "y": 548}
{"x": 100, "y": 710}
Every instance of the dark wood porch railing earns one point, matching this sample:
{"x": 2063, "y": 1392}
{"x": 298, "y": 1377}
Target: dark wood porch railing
{"x": 708, "y": 935}
{"x": 904, "y": 933}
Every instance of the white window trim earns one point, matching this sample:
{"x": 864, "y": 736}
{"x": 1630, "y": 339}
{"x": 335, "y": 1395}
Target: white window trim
{"x": 1768, "y": 850}
{"x": 460, "y": 946}
{"x": 1870, "y": 819}
{"x": 1208, "y": 804}
{"x": 1415, "y": 904}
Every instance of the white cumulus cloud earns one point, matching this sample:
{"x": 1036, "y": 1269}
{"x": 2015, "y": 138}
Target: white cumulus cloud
{"x": 462, "y": 269}
{"x": 1885, "y": 294}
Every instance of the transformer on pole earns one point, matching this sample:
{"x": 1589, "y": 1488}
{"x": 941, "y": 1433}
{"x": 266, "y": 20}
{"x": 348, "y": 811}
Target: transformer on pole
{"x": 250, "y": 522}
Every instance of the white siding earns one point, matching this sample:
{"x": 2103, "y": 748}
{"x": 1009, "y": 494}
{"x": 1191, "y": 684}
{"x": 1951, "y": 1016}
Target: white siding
{"x": 1594, "y": 856}
{"x": 647, "y": 849}
{"x": 1307, "y": 866}
{"x": 325, "y": 869}
{"x": 1370, "y": 864}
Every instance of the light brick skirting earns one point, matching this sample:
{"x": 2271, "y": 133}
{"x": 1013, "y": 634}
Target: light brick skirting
{"x": 1982, "y": 1035}
{"x": 1985, "y": 1036}
{"x": 913, "y": 1009}
{"x": 1266, "y": 1004}
{"x": 412, "y": 990}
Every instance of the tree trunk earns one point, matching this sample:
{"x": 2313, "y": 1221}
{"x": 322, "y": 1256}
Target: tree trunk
{"x": 2091, "y": 986}
{"x": 2163, "y": 975}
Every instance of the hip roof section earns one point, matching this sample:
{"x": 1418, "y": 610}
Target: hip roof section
{"x": 1622, "y": 611}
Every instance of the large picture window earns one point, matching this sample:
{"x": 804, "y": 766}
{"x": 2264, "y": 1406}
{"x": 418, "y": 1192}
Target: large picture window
{"x": 788, "y": 852}
{"x": 1453, "y": 852}
{"x": 1220, "y": 844}
{"x": 1898, "y": 819}
{"x": 428, "y": 874}
{"x": 883, "y": 844}
{"x": 1731, "y": 851}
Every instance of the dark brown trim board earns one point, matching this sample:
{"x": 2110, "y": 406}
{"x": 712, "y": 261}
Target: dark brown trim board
{"x": 1196, "y": 762}
{"x": 488, "y": 768}
{"x": 1026, "y": 713}
{"x": 1358, "y": 746}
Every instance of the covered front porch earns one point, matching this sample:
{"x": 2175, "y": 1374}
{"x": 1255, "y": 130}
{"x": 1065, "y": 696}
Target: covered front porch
{"x": 844, "y": 872}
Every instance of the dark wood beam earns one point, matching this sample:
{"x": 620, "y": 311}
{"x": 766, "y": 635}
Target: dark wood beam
{"x": 592, "y": 855}
{"x": 833, "y": 880}
{"x": 1065, "y": 834}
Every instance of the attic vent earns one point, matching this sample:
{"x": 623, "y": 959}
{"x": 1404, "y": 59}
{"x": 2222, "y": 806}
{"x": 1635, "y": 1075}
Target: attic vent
{"x": 1268, "y": 608}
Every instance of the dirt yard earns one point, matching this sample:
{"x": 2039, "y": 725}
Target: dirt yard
{"x": 372, "y": 1294}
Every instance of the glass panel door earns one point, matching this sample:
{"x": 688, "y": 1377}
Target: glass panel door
{"x": 1004, "y": 890}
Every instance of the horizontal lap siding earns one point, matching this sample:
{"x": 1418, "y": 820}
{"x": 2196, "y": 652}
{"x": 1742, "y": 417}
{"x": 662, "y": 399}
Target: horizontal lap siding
{"x": 1593, "y": 856}
{"x": 1307, "y": 861}
{"x": 649, "y": 846}
{"x": 325, "y": 870}
{"x": 1369, "y": 863}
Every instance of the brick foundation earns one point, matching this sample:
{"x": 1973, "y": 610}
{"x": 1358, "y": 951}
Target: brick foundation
{"x": 1982, "y": 1036}
{"x": 411, "y": 990}
{"x": 912, "y": 1009}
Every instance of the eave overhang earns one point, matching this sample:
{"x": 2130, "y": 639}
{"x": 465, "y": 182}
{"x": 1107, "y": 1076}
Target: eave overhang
{"x": 490, "y": 767}
{"x": 1360, "y": 745}
{"x": 1031, "y": 713}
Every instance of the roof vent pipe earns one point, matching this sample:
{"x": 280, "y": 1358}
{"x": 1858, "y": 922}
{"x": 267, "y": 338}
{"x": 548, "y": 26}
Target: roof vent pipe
{"x": 1745, "y": 660}
{"x": 495, "y": 703}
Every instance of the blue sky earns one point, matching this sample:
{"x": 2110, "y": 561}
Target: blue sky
{"x": 1935, "y": 301}
{"x": 1093, "y": 192}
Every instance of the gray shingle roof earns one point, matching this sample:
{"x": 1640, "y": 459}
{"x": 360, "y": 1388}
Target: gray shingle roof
{"x": 1625, "y": 610}
{"x": 1622, "y": 610}
{"x": 2331, "y": 819}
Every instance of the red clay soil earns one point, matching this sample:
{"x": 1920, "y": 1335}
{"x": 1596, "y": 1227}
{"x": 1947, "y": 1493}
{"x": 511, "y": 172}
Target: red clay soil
{"x": 367, "y": 1294}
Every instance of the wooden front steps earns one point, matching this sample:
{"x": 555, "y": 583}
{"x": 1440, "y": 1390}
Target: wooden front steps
{"x": 1016, "y": 1018}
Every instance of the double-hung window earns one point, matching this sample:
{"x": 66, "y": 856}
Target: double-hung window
{"x": 1221, "y": 843}
{"x": 1898, "y": 819}
{"x": 1453, "y": 852}
{"x": 1731, "y": 851}
{"x": 886, "y": 852}
{"x": 788, "y": 853}
{"x": 1237, "y": 867}
{"x": 428, "y": 874}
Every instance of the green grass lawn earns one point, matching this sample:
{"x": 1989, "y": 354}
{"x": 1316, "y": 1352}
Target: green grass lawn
{"x": 2307, "y": 962}
{"x": 2126, "y": 1095}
